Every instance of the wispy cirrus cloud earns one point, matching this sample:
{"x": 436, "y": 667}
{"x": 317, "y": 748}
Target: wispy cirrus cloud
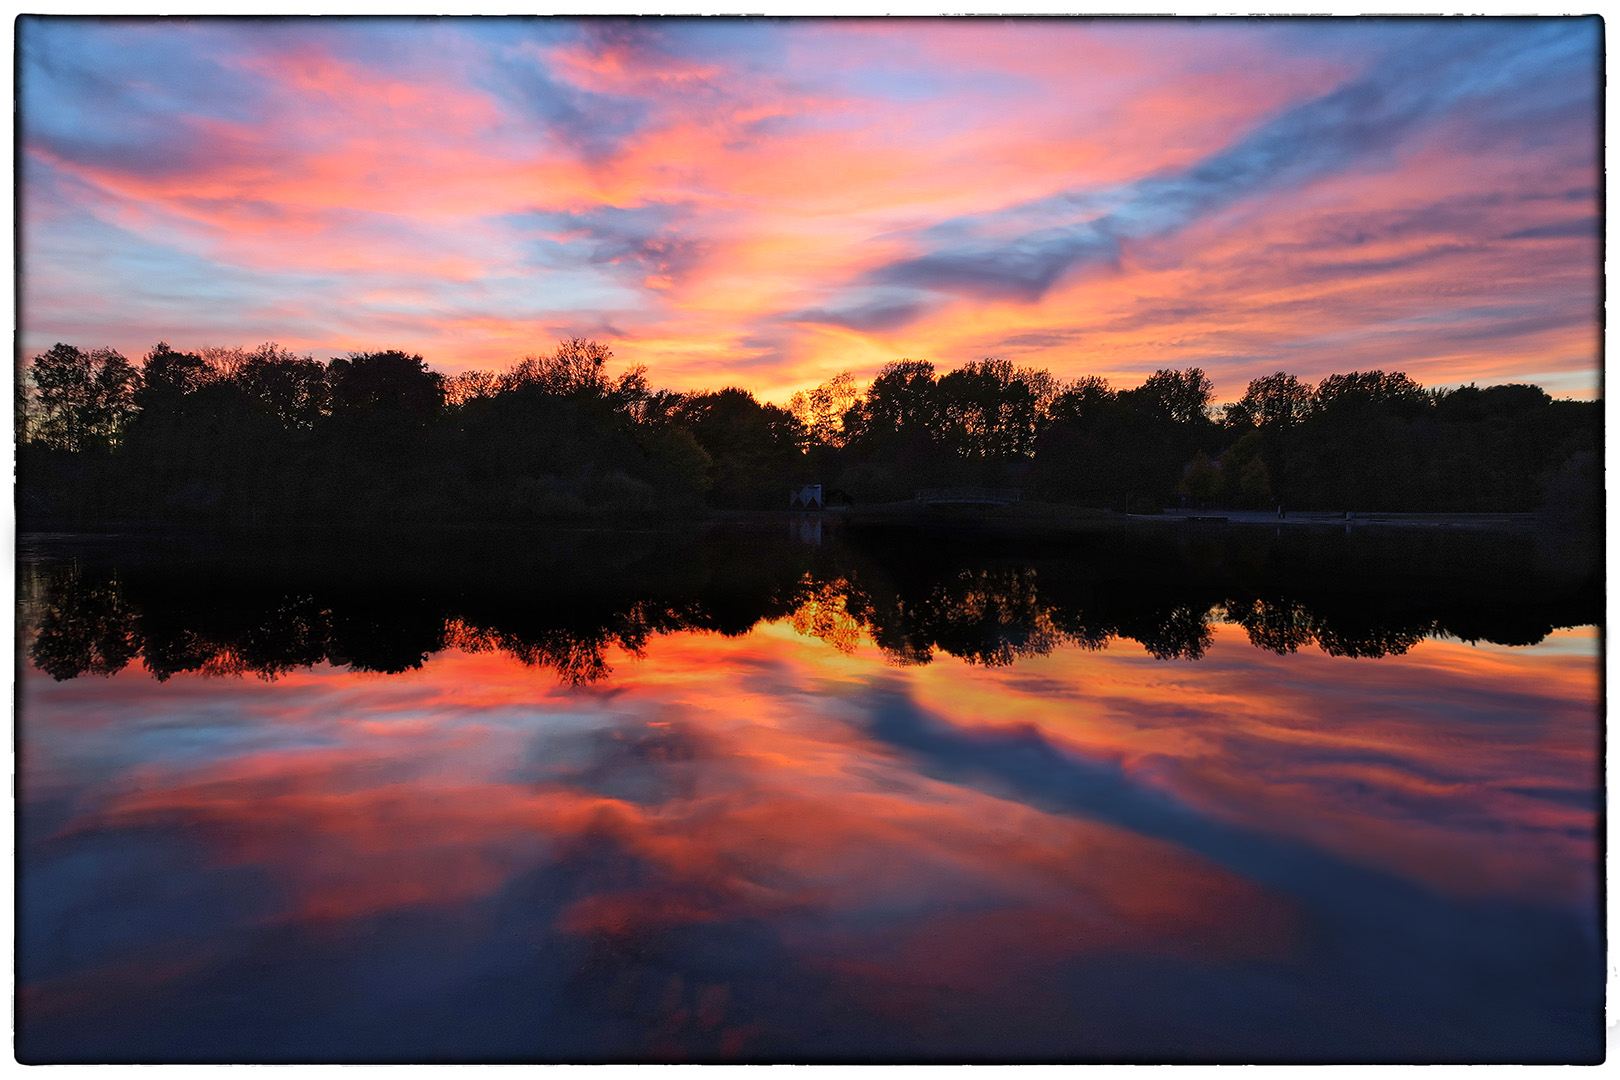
{"x": 1022, "y": 251}
{"x": 778, "y": 200}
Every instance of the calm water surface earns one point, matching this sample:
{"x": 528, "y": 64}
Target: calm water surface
{"x": 777, "y": 800}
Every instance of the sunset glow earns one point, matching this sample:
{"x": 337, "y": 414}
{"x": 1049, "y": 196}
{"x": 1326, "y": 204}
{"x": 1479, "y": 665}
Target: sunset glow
{"x": 454, "y": 770}
{"x": 825, "y": 796}
{"x": 766, "y": 202}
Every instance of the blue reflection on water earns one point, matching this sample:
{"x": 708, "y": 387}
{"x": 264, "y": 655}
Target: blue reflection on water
{"x": 137, "y": 942}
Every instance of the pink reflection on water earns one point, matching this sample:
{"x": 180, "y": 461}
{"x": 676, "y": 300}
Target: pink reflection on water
{"x": 738, "y": 777}
{"x": 1471, "y": 768}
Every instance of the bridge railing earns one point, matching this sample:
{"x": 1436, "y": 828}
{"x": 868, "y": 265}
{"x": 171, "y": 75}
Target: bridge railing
{"x": 969, "y": 495}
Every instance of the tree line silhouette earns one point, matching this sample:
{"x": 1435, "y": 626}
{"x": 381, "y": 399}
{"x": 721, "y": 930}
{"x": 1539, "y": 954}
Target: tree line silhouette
{"x": 569, "y": 603}
{"x": 263, "y": 437}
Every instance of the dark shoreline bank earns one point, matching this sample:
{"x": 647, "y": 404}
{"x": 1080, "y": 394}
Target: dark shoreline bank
{"x": 1147, "y": 578}
{"x": 1032, "y": 517}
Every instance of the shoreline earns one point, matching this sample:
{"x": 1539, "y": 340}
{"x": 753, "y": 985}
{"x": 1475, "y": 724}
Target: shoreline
{"x": 1043, "y": 517}
{"x": 1026, "y": 516}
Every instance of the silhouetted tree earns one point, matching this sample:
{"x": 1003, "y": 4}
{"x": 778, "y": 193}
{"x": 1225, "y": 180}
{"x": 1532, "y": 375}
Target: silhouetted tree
{"x": 576, "y": 368}
{"x": 754, "y": 448}
{"x": 985, "y": 410}
{"x": 1181, "y": 397}
{"x": 1272, "y": 400}
{"x": 1081, "y": 398}
{"x": 84, "y": 398}
{"x": 1126, "y": 448}
{"x": 470, "y": 386}
{"x": 1363, "y": 392}
{"x": 167, "y": 378}
{"x": 232, "y": 435}
{"x": 388, "y": 384}
{"x": 630, "y": 392}
{"x": 902, "y": 402}
{"x": 291, "y": 388}
{"x": 821, "y": 410}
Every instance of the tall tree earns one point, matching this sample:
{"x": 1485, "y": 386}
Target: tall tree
{"x": 987, "y": 411}
{"x": 470, "y": 386}
{"x": 1272, "y": 400}
{"x": 821, "y": 409}
{"x": 389, "y": 383}
{"x": 1362, "y": 392}
{"x": 754, "y": 446}
{"x": 85, "y": 399}
{"x": 902, "y": 401}
{"x": 167, "y": 378}
{"x": 291, "y": 388}
{"x": 1181, "y": 397}
{"x": 576, "y": 368}
{"x": 1080, "y": 398}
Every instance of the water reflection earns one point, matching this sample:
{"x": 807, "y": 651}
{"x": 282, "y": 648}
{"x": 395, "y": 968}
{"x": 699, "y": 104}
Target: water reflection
{"x": 95, "y": 618}
{"x": 675, "y": 812}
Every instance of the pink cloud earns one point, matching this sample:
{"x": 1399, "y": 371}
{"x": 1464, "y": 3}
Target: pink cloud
{"x": 394, "y": 183}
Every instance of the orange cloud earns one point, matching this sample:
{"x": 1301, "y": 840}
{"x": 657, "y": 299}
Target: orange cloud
{"x": 361, "y": 201}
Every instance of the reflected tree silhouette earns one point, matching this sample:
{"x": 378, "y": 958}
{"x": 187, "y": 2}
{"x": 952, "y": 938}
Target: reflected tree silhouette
{"x": 1284, "y": 626}
{"x": 825, "y": 614}
{"x": 1372, "y": 641}
{"x": 1181, "y": 633}
{"x": 990, "y": 617}
{"x": 293, "y": 633}
{"x": 1280, "y": 626}
{"x": 577, "y": 657}
{"x": 87, "y": 627}
{"x": 573, "y": 610}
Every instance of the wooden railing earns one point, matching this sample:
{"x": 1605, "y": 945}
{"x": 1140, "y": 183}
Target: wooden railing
{"x": 991, "y": 496}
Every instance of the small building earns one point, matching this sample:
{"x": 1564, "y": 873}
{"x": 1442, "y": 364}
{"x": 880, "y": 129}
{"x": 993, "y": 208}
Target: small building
{"x": 806, "y": 497}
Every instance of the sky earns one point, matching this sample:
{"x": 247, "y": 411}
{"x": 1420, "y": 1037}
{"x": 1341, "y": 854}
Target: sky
{"x": 765, "y": 203}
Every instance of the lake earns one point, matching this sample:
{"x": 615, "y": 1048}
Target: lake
{"x": 779, "y": 791}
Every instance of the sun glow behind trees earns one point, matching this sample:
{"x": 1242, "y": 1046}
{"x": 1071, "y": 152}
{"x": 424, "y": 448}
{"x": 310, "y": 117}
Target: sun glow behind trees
{"x": 250, "y": 436}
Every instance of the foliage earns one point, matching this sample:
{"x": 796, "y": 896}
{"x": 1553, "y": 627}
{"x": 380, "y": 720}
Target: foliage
{"x": 820, "y": 410}
{"x": 1272, "y": 400}
{"x": 389, "y": 384}
{"x": 292, "y": 389}
{"x": 1181, "y": 397}
{"x": 1202, "y": 479}
{"x": 754, "y": 448}
{"x": 576, "y": 368}
{"x": 261, "y": 436}
{"x": 83, "y": 398}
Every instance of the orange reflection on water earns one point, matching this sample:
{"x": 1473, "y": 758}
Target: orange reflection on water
{"x": 769, "y": 802}
{"x": 1460, "y": 765}
{"x": 737, "y": 779}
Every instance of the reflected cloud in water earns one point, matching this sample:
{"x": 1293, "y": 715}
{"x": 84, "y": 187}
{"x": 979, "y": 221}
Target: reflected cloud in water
{"x": 981, "y": 813}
